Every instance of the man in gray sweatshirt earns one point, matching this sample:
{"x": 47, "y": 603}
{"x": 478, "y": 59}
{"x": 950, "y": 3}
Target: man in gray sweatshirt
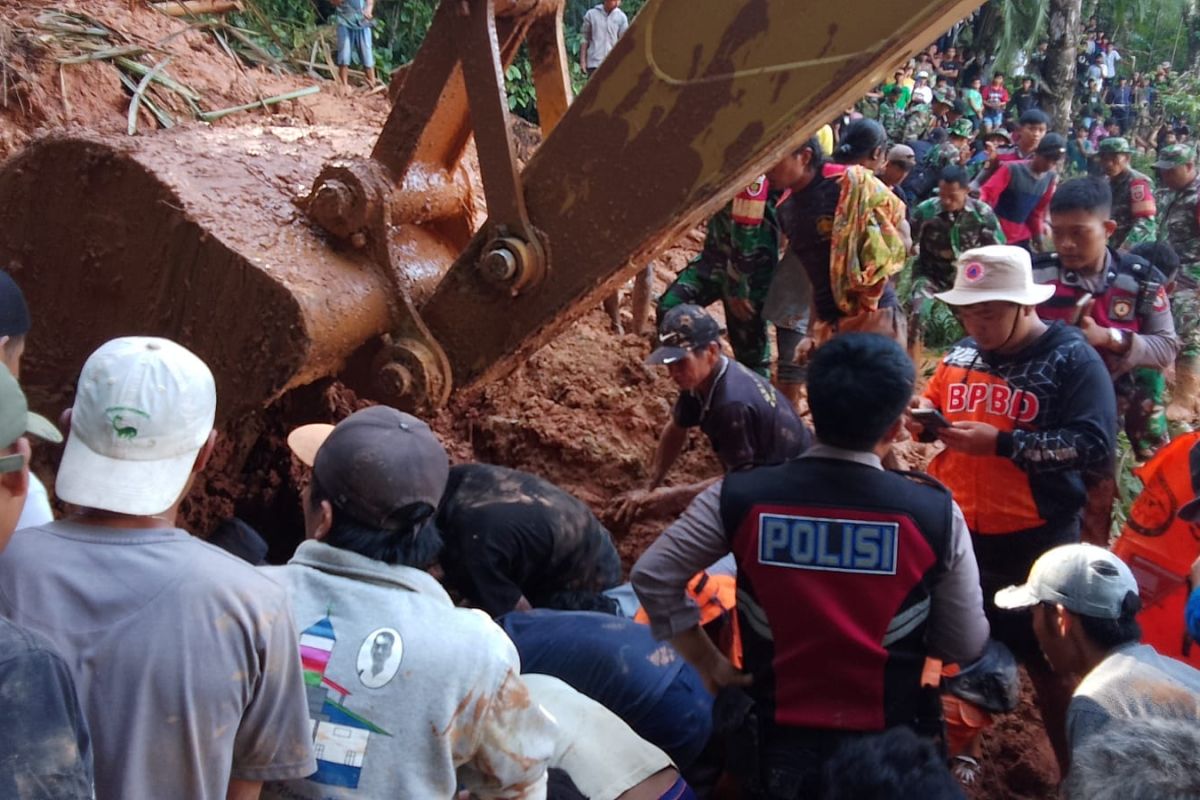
{"x": 408, "y": 695}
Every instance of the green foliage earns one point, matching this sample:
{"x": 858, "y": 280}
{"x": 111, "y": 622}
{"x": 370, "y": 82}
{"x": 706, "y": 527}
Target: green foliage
{"x": 1128, "y": 485}
{"x": 522, "y": 99}
{"x": 1180, "y": 97}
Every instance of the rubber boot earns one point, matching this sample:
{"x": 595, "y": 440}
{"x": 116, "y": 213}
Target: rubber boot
{"x": 1185, "y": 394}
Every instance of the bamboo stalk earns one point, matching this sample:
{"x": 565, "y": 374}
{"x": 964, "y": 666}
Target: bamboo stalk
{"x": 212, "y": 116}
{"x": 164, "y": 119}
{"x": 105, "y": 54}
{"x": 140, "y": 90}
{"x": 62, "y": 84}
{"x": 173, "y": 85}
{"x": 187, "y": 8}
{"x": 248, "y": 42}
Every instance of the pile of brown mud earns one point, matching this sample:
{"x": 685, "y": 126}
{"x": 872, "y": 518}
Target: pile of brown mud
{"x": 38, "y": 93}
{"x": 583, "y": 412}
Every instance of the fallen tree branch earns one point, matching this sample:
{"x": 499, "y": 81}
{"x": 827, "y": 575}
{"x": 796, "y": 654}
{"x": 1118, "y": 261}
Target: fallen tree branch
{"x": 188, "y": 8}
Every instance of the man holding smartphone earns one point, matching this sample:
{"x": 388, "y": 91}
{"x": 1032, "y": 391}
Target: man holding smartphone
{"x": 1030, "y": 407}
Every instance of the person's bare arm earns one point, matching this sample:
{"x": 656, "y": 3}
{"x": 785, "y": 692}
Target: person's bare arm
{"x": 670, "y": 445}
{"x": 715, "y": 669}
{"x": 369, "y": 11}
{"x": 632, "y": 504}
{"x": 243, "y": 790}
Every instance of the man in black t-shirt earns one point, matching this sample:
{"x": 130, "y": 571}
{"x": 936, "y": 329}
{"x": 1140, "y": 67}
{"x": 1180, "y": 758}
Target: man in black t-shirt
{"x": 513, "y": 541}
{"x": 747, "y": 422}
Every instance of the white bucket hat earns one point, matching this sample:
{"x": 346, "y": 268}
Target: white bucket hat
{"x": 997, "y": 272}
{"x": 143, "y": 410}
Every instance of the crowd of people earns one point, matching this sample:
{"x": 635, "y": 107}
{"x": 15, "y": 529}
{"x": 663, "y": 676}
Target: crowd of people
{"x": 814, "y": 623}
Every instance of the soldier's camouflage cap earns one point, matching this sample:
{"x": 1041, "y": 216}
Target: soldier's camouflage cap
{"x": 1173, "y": 155}
{"x": 1115, "y": 144}
{"x": 963, "y": 128}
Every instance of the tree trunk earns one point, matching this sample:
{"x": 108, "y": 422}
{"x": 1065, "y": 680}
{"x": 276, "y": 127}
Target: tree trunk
{"x": 1063, "y": 32}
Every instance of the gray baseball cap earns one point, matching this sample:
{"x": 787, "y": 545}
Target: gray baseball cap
{"x": 1083, "y": 578}
{"x": 374, "y": 463}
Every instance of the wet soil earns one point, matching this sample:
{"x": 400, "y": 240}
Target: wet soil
{"x": 583, "y": 412}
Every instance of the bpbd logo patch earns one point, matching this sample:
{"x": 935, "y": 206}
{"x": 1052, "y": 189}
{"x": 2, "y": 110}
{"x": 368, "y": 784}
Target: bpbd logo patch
{"x": 833, "y": 545}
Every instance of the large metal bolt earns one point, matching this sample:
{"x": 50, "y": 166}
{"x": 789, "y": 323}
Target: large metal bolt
{"x": 332, "y": 202}
{"x": 395, "y": 379}
{"x": 499, "y": 264}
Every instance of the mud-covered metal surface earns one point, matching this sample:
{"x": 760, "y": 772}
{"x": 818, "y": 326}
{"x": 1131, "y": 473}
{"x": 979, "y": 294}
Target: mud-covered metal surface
{"x": 696, "y": 98}
{"x": 196, "y": 235}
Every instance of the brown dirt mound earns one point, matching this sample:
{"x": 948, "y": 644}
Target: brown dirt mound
{"x": 37, "y": 93}
{"x": 583, "y": 412}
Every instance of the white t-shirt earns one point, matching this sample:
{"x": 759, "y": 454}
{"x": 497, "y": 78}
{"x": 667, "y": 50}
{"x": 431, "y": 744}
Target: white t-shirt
{"x": 37, "y": 506}
{"x": 922, "y": 94}
{"x": 603, "y": 756}
{"x": 1111, "y": 58}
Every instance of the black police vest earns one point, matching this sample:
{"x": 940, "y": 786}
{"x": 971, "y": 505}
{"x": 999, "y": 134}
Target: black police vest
{"x": 836, "y": 561}
{"x": 1131, "y": 291}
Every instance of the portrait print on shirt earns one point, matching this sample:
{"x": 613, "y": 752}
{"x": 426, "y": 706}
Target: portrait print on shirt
{"x": 379, "y": 657}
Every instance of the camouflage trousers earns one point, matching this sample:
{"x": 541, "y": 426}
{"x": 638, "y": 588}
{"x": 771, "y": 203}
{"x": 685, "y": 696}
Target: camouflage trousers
{"x": 1185, "y": 308}
{"x": 1141, "y": 405}
{"x": 703, "y": 285}
{"x": 926, "y": 314}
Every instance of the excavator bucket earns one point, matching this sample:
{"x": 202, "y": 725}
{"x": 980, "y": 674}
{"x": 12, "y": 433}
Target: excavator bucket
{"x": 281, "y": 255}
{"x": 194, "y": 235}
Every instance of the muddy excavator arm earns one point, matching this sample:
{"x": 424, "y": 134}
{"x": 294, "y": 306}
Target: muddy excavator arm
{"x": 282, "y": 255}
{"x": 699, "y": 96}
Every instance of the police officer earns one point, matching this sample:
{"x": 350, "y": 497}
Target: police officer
{"x": 1133, "y": 208}
{"x": 746, "y": 420}
{"x": 840, "y": 564}
{"x": 1179, "y": 225}
{"x": 741, "y": 251}
{"x": 1119, "y": 302}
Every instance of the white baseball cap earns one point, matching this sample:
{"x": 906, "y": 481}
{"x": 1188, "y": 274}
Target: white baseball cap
{"x": 995, "y": 272}
{"x": 143, "y": 410}
{"x": 1083, "y": 578}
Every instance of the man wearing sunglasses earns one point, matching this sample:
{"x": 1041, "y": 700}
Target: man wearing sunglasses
{"x": 1030, "y": 407}
{"x": 43, "y": 735}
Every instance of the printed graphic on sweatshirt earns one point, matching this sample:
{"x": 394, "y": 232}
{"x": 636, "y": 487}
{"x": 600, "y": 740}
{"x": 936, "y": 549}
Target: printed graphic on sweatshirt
{"x": 340, "y": 736}
{"x": 379, "y": 657}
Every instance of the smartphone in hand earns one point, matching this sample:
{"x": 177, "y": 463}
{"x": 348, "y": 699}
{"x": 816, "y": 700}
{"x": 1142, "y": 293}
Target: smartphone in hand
{"x": 931, "y": 421}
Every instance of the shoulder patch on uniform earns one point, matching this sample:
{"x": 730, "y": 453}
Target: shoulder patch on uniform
{"x": 1161, "y": 302}
{"x": 1141, "y": 198}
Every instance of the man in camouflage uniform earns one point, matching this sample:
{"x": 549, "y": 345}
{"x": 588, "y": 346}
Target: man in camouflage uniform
{"x": 1133, "y": 196}
{"x": 943, "y": 227}
{"x": 1179, "y": 225}
{"x": 890, "y": 115}
{"x": 952, "y": 151}
{"x": 921, "y": 117}
{"x": 741, "y": 250}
